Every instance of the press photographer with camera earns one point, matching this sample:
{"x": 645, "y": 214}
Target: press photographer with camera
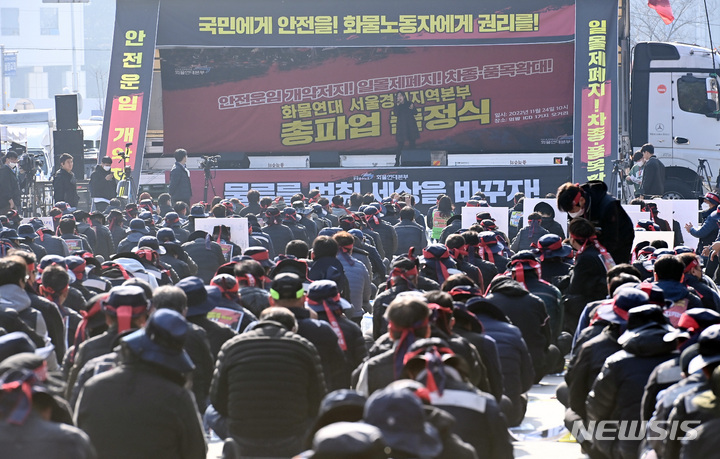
{"x": 180, "y": 188}
{"x": 64, "y": 182}
{"x": 9, "y": 185}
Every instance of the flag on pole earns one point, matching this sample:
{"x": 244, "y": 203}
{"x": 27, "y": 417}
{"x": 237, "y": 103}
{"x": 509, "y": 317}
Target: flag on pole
{"x": 663, "y": 8}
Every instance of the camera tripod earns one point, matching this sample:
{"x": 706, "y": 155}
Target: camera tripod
{"x": 208, "y": 182}
{"x": 126, "y": 185}
{"x": 625, "y": 191}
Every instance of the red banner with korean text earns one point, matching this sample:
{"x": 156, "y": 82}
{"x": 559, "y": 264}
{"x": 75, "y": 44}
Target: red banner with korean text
{"x": 513, "y": 98}
{"x": 129, "y": 83}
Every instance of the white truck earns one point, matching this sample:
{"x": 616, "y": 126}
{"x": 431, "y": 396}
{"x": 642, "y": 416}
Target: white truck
{"x": 674, "y": 106}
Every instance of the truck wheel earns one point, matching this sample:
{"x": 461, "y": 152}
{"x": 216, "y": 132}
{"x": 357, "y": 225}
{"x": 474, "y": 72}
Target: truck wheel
{"x": 677, "y": 189}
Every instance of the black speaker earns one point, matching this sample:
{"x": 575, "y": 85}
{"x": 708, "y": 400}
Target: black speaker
{"x": 233, "y": 161}
{"x": 415, "y": 158}
{"x": 324, "y": 159}
{"x": 70, "y": 141}
{"x": 66, "y": 111}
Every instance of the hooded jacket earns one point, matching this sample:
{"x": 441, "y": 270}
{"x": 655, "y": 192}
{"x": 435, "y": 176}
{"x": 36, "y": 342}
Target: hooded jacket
{"x": 14, "y": 297}
{"x": 515, "y": 360}
{"x": 527, "y": 312}
{"x": 586, "y": 365}
{"x": 208, "y": 256}
{"x": 141, "y": 410}
{"x": 617, "y": 391}
{"x": 605, "y": 212}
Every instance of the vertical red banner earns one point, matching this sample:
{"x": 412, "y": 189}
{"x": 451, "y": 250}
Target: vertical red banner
{"x": 124, "y": 129}
{"x": 129, "y": 83}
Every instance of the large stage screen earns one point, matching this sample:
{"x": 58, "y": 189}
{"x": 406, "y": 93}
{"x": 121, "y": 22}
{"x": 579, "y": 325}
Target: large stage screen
{"x": 466, "y": 99}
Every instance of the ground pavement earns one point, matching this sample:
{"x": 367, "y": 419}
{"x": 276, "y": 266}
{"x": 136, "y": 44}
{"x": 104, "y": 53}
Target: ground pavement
{"x": 540, "y": 435}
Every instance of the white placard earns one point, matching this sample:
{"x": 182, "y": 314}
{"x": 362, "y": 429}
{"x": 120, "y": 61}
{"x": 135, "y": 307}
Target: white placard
{"x": 530, "y": 203}
{"x": 631, "y": 207}
{"x": 500, "y": 214}
{"x": 238, "y": 229}
{"x": 667, "y": 236}
{"x": 636, "y": 216}
{"x": 47, "y": 221}
{"x": 686, "y": 211}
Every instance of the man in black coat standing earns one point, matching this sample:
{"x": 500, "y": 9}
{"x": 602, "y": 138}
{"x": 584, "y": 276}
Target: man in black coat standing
{"x": 64, "y": 183}
{"x": 592, "y": 201}
{"x": 180, "y": 188}
{"x": 9, "y": 186}
{"x": 653, "y": 181}
{"x": 103, "y": 185}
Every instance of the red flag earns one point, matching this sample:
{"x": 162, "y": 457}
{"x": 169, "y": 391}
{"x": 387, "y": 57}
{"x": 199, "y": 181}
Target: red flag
{"x": 663, "y": 8}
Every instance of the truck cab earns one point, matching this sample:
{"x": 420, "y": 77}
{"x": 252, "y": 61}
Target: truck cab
{"x": 674, "y": 106}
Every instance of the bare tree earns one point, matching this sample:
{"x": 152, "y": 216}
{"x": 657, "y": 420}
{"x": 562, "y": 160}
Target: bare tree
{"x": 689, "y": 26}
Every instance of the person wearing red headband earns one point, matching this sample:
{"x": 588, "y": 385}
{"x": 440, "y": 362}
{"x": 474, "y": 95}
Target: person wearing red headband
{"x": 588, "y": 276}
{"x": 356, "y": 273}
{"x": 694, "y": 278}
{"x": 408, "y": 317}
{"x": 592, "y": 201}
{"x": 126, "y": 308}
{"x": 403, "y": 278}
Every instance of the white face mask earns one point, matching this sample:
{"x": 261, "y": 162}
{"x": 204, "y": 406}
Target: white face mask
{"x": 576, "y": 214}
{"x": 107, "y": 168}
{"x": 705, "y": 206}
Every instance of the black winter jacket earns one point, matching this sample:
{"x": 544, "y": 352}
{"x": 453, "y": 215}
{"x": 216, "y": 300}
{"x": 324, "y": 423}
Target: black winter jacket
{"x": 409, "y": 234}
{"x": 65, "y": 187}
{"x": 487, "y": 348}
{"x": 268, "y": 383}
{"x": 145, "y": 403}
{"x": 586, "y": 365}
{"x": 52, "y": 244}
{"x": 605, "y": 212}
{"x": 515, "y": 360}
{"x": 217, "y": 333}
{"x": 528, "y": 313}
{"x": 100, "y": 187}
{"x": 617, "y": 391}
{"x": 356, "y": 351}
{"x": 322, "y": 336}
{"x": 280, "y": 236}
{"x": 208, "y": 256}
{"x": 105, "y": 245}
{"x": 180, "y": 188}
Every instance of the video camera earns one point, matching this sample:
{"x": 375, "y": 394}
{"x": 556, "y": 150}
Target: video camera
{"x": 29, "y": 162}
{"x": 209, "y": 162}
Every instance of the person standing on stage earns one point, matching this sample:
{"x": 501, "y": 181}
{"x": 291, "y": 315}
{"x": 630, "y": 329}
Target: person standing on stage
{"x": 180, "y": 188}
{"x": 103, "y": 185}
{"x": 64, "y": 182}
{"x": 406, "y": 129}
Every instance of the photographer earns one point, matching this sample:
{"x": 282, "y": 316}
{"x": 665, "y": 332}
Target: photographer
{"x": 64, "y": 183}
{"x": 180, "y": 188}
{"x": 103, "y": 184}
{"x": 9, "y": 186}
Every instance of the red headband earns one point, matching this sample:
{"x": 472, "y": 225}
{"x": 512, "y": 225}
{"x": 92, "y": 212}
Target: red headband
{"x": 576, "y": 199}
